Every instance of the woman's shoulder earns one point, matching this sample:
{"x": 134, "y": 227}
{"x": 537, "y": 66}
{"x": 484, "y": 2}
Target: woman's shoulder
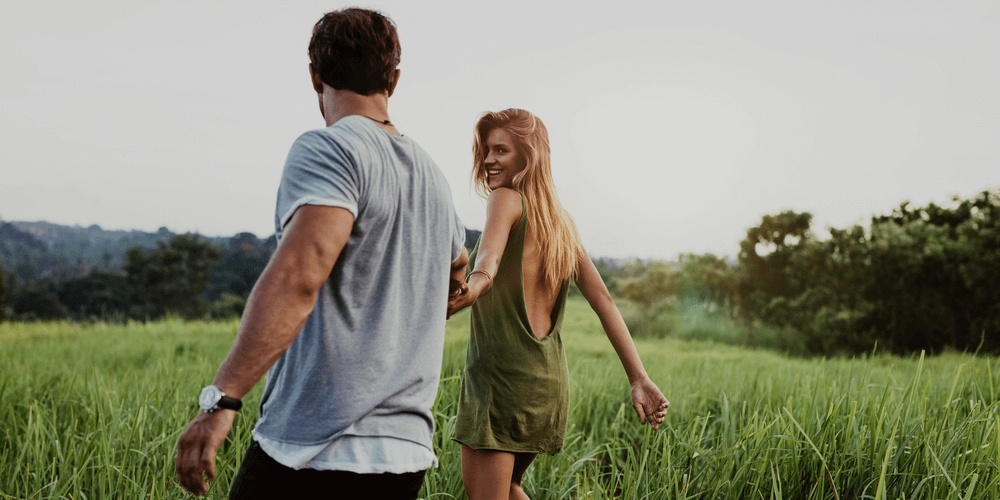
{"x": 505, "y": 194}
{"x": 505, "y": 201}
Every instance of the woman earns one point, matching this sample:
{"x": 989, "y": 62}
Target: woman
{"x": 515, "y": 399}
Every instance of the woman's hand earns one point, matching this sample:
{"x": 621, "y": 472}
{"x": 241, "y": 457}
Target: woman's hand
{"x": 649, "y": 403}
{"x": 465, "y": 294}
{"x": 459, "y": 299}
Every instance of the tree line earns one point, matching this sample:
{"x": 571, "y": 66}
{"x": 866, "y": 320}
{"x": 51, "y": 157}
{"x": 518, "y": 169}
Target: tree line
{"x": 918, "y": 278}
{"x": 185, "y": 276}
{"x": 60, "y": 272}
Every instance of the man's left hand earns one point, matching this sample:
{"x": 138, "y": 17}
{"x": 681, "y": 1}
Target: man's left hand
{"x": 197, "y": 447}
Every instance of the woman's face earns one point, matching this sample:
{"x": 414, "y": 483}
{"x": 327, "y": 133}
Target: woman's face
{"x": 503, "y": 161}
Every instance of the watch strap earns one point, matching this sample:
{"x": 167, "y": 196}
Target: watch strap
{"x": 229, "y": 403}
{"x": 212, "y": 399}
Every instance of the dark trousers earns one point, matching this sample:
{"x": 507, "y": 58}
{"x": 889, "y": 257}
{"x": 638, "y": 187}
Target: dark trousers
{"x": 261, "y": 477}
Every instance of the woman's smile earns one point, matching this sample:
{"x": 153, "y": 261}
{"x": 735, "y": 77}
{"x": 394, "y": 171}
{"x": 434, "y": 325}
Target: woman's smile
{"x": 503, "y": 160}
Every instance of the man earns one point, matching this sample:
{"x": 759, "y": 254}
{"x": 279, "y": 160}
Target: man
{"x": 350, "y": 311}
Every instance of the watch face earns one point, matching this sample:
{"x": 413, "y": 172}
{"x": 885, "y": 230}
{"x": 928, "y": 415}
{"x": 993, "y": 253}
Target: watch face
{"x": 209, "y": 397}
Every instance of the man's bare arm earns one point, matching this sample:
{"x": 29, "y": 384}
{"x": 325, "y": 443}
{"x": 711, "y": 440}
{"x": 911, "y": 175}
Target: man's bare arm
{"x": 277, "y": 308}
{"x": 285, "y": 294}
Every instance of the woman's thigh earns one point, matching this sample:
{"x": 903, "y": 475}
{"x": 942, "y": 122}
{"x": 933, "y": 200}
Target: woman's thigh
{"x": 487, "y": 473}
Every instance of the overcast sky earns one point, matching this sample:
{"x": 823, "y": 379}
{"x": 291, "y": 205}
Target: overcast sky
{"x": 675, "y": 125}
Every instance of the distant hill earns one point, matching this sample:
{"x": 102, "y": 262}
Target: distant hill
{"x": 37, "y": 250}
{"x": 52, "y": 271}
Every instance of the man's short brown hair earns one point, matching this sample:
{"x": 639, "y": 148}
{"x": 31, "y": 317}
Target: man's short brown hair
{"x": 355, "y": 49}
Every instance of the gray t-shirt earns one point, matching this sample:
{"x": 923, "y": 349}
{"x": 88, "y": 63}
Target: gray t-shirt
{"x": 368, "y": 360}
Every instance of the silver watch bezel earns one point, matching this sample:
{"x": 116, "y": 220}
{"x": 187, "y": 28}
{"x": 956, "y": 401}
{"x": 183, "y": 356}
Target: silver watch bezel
{"x": 209, "y": 398}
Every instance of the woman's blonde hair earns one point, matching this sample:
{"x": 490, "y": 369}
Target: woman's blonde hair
{"x": 558, "y": 240}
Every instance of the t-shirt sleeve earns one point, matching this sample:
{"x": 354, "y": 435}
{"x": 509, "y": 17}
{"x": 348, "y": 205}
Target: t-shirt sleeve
{"x": 458, "y": 239}
{"x": 318, "y": 171}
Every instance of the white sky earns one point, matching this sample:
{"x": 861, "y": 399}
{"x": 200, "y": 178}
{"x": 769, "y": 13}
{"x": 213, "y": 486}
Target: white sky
{"x": 675, "y": 125}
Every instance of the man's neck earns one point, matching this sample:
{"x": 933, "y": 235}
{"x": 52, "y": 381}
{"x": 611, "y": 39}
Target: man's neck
{"x": 340, "y": 103}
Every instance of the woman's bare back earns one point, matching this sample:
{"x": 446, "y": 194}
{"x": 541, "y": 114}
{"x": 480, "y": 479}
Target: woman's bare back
{"x": 539, "y": 300}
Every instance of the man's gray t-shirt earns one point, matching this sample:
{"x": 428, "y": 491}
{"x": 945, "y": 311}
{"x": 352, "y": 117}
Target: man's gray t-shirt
{"x": 368, "y": 360}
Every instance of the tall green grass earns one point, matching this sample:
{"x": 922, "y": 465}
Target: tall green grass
{"x": 696, "y": 320}
{"x": 94, "y": 411}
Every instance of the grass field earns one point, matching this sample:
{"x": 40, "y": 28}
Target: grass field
{"x": 94, "y": 411}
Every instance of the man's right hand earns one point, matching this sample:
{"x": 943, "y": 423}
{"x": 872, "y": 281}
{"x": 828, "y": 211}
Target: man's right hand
{"x": 197, "y": 447}
{"x": 459, "y": 299}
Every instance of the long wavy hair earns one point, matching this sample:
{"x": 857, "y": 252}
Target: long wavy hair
{"x": 558, "y": 240}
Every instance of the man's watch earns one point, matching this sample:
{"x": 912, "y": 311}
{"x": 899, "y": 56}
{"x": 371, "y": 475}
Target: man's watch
{"x": 212, "y": 398}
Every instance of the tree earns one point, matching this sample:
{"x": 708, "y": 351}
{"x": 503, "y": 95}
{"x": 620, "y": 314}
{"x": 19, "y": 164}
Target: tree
{"x": 706, "y": 278}
{"x": 934, "y": 273}
{"x": 171, "y": 278}
{"x": 918, "y": 279}
{"x": 831, "y": 309}
{"x": 228, "y": 306}
{"x": 97, "y": 295}
{"x": 979, "y": 253}
{"x": 766, "y": 280}
{"x": 656, "y": 287}
{"x": 3, "y": 293}
{"x": 240, "y": 263}
{"x": 37, "y": 301}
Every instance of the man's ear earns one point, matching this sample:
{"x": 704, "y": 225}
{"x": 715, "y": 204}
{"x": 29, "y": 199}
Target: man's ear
{"x": 317, "y": 82}
{"x": 395, "y": 80}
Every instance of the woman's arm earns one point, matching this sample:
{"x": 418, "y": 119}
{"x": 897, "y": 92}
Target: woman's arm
{"x": 647, "y": 400}
{"x": 503, "y": 209}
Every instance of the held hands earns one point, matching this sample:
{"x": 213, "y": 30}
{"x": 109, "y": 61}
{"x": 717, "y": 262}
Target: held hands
{"x": 465, "y": 294}
{"x": 649, "y": 403}
{"x": 460, "y": 298}
{"x": 197, "y": 446}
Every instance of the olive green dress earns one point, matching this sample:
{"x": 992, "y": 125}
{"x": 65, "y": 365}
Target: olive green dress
{"x": 515, "y": 390}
